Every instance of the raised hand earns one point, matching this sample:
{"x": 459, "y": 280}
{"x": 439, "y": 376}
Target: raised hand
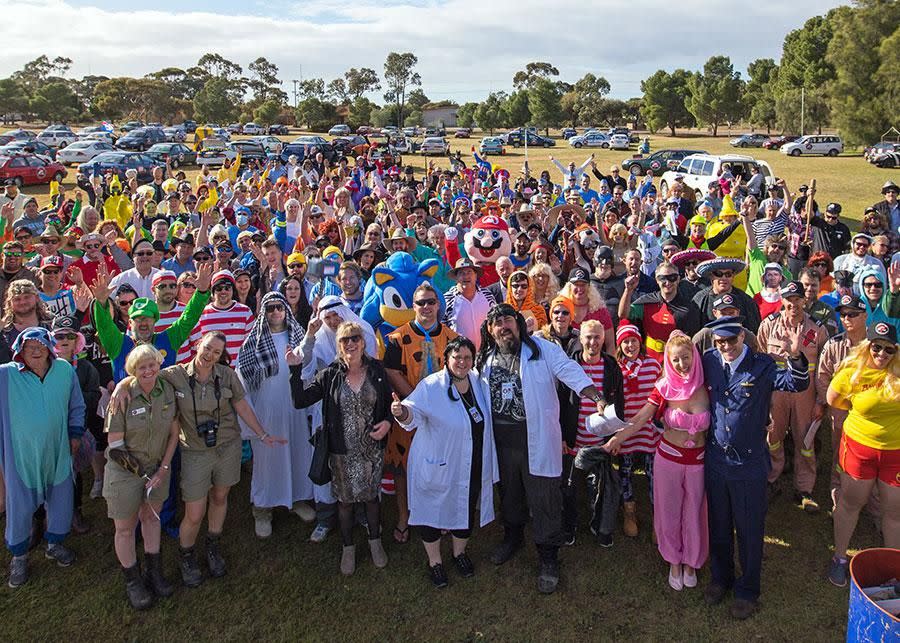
{"x": 204, "y": 275}
{"x": 397, "y": 409}
{"x": 292, "y": 358}
{"x": 100, "y": 286}
{"x": 82, "y": 295}
{"x": 894, "y": 276}
{"x": 314, "y": 325}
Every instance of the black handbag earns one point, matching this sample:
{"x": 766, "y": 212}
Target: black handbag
{"x": 319, "y": 469}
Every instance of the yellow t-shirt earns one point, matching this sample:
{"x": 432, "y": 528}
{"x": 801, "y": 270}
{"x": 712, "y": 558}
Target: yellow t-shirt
{"x": 874, "y": 421}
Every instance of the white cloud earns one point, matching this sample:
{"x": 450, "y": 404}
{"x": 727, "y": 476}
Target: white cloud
{"x": 466, "y": 48}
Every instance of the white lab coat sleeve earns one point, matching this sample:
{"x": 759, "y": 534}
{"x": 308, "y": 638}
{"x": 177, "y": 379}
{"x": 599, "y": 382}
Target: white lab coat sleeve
{"x": 563, "y": 367}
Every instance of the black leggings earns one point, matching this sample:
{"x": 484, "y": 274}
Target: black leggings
{"x": 347, "y": 519}
{"x": 432, "y": 534}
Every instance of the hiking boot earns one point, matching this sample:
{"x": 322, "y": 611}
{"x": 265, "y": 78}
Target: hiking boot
{"x": 153, "y": 576}
{"x": 138, "y": 594}
{"x": 464, "y": 565}
{"x": 79, "y": 524}
{"x": 379, "y": 557}
{"x": 742, "y": 609}
{"x": 320, "y": 533}
{"x": 507, "y": 549}
{"x": 438, "y": 576}
{"x": 548, "y": 576}
{"x": 630, "y": 526}
{"x": 61, "y": 554}
{"x": 807, "y": 504}
{"x": 191, "y": 575}
{"x": 348, "y": 560}
{"x": 214, "y": 559}
{"x": 838, "y": 571}
{"x": 18, "y": 571}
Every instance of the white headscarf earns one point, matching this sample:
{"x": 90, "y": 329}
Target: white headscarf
{"x": 325, "y": 348}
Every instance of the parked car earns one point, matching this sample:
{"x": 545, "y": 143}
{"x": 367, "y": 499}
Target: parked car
{"x": 130, "y": 126}
{"x": 141, "y": 139}
{"x": 342, "y": 129}
{"x": 593, "y": 139}
{"x": 83, "y": 151}
{"x": 776, "y": 142}
{"x": 390, "y": 129}
{"x": 29, "y": 147}
{"x": 57, "y": 138}
{"x": 569, "y": 132}
{"x": 364, "y": 129}
{"x": 22, "y": 134}
{"x": 119, "y": 162}
{"x": 252, "y": 129}
{"x": 411, "y": 131}
{"x": 6, "y": 138}
{"x": 96, "y": 132}
{"x": 887, "y": 159}
{"x": 619, "y": 142}
{"x": 697, "y": 170}
{"x": 222, "y": 132}
{"x": 400, "y": 144}
{"x": 311, "y": 139}
{"x": 30, "y": 169}
{"x": 189, "y": 126}
{"x": 301, "y": 149}
{"x": 435, "y": 131}
{"x": 234, "y": 128}
{"x": 814, "y": 144}
{"x": 882, "y": 147}
{"x": 177, "y": 153}
{"x": 749, "y": 140}
{"x": 250, "y": 149}
{"x": 491, "y": 145}
{"x": 462, "y": 132}
{"x": 436, "y": 145}
{"x": 271, "y": 144}
{"x": 214, "y": 151}
{"x": 659, "y": 161}
{"x": 176, "y": 134}
{"x": 278, "y": 129}
{"x": 517, "y": 138}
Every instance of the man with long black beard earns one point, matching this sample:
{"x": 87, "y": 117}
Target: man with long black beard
{"x": 519, "y": 374}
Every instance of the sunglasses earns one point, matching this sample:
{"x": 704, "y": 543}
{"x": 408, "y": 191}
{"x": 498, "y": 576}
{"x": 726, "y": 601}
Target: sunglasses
{"x": 561, "y": 312}
{"x": 820, "y": 264}
{"x": 860, "y": 244}
{"x": 51, "y": 271}
{"x": 65, "y": 336}
{"x": 850, "y": 314}
{"x": 125, "y": 303}
{"x": 882, "y": 348}
{"x": 49, "y": 240}
{"x": 189, "y": 285}
{"x": 295, "y": 265}
{"x": 873, "y": 284}
{"x": 91, "y": 246}
{"x": 690, "y": 264}
{"x": 425, "y": 302}
{"x": 725, "y": 341}
{"x": 671, "y": 278}
{"x": 350, "y": 339}
{"x": 221, "y": 287}
{"x": 166, "y": 286}
{"x": 12, "y": 253}
{"x": 274, "y": 308}
{"x": 143, "y": 254}
{"x": 722, "y": 274}
{"x": 519, "y": 285}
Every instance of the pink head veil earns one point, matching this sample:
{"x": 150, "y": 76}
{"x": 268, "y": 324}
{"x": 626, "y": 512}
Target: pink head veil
{"x": 672, "y": 385}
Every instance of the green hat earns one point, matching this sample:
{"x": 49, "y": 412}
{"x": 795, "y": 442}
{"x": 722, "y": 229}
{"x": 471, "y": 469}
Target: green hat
{"x": 143, "y": 307}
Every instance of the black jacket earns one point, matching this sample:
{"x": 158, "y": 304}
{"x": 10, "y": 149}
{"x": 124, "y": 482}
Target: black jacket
{"x": 327, "y": 388}
{"x": 89, "y": 382}
{"x": 570, "y": 401}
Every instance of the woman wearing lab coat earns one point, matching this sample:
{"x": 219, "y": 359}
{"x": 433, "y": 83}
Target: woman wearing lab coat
{"x": 452, "y": 462}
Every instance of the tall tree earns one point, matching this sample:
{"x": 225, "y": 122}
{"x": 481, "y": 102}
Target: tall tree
{"x": 216, "y": 65}
{"x": 568, "y": 102}
{"x": 716, "y": 93}
{"x": 399, "y": 76}
{"x": 361, "y": 111}
{"x": 544, "y": 104}
{"x": 665, "y": 100}
{"x": 533, "y": 71}
{"x": 417, "y": 100}
{"x": 264, "y": 80}
{"x": 759, "y": 97}
{"x": 589, "y": 98}
{"x": 632, "y": 111}
{"x": 465, "y": 115}
{"x": 863, "y": 108}
{"x": 516, "y": 112}
{"x": 183, "y": 84}
{"x": 312, "y": 88}
{"x": 316, "y": 114}
{"x": 215, "y": 101}
{"x": 361, "y": 81}
{"x": 13, "y": 98}
{"x": 268, "y": 112}
{"x": 55, "y": 101}
{"x": 337, "y": 91}
{"x": 489, "y": 113}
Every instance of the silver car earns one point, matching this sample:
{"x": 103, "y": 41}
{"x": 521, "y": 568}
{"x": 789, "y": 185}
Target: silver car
{"x": 82, "y": 151}
{"x": 436, "y": 145}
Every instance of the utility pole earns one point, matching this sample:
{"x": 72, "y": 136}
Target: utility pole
{"x": 802, "y": 108}
{"x": 295, "y": 81}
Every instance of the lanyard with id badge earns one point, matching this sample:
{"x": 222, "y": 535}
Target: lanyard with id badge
{"x": 472, "y": 407}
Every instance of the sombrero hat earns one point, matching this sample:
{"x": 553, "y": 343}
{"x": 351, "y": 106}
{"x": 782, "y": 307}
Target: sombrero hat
{"x": 555, "y": 212}
{"x": 679, "y": 259}
{"x": 720, "y": 263}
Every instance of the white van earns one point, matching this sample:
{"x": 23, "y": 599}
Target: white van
{"x": 699, "y": 169}
{"x": 814, "y": 144}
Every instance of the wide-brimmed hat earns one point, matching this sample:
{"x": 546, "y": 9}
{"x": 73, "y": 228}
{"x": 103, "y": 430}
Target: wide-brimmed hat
{"x": 890, "y": 185}
{"x": 400, "y": 233}
{"x": 699, "y": 255}
{"x": 555, "y": 212}
{"x": 464, "y": 262}
{"x": 720, "y": 263}
{"x": 366, "y": 247}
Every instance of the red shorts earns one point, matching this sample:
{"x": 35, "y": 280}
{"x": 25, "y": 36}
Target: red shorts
{"x": 865, "y": 463}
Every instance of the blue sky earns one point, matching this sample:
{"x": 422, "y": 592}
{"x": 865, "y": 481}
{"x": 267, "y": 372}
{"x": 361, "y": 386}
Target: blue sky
{"x": 466, "y": 48}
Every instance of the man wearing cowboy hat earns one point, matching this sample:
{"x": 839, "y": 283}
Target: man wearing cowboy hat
{"x": 889, "y": 207}
{"x": 720, "y": 272}
{"x": 399, "y": 241}
{"x": 466, "y": 305}
{"x": 793, "y": 411}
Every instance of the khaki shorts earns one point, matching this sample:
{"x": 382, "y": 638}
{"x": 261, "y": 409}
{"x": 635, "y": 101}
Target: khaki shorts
{"x": 125, "y": 492}
{"x": 218, "y": 466}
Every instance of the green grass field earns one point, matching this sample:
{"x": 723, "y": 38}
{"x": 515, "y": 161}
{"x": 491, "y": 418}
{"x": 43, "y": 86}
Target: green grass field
{"x": 286, "y": 588}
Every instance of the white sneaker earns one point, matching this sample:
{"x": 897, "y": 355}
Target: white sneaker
{"x": 306, "y": 513}
{"x": 263, "y": 527}
{"x": 689, "y": 578}
{"x": 97, "y": 488}
{"x": 319, "y": 534}
{"x": 675, "y": 582}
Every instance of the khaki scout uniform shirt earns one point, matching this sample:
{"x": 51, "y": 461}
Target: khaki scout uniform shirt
{"x": 146, "y": 422}
{"x": 773, "y": 337}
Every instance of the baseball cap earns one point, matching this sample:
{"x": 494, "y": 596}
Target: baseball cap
{"x": 728, "y": 326}
{"x": 851, "y": 302}
{"x": 53, "y": 261}
{"x": 725, "y": 301}
{"x": 882, "y": 331}
{"x": 792, "y": 289}
{"x": 578, "y": 274}
{"x": 143, "y": 307}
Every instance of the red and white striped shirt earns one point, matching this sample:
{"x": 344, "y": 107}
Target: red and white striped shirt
{"x": 235, "y": 322}
{"x": 639, "y": 376}
{"x": 165, "y": 320}
{"x": 588, "y": 407}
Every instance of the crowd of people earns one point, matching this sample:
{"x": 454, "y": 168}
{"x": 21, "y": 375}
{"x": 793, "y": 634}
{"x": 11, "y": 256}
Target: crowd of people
{"x": 341, "y": 330}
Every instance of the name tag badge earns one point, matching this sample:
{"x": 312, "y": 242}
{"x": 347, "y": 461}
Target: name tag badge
{"x": 139, "y": 411}
{"x": 506, "y": 391}
{"x": 476, "y": 415}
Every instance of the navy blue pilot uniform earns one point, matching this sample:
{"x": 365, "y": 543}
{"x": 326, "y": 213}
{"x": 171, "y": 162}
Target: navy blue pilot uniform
{"x": 737, "y": 456}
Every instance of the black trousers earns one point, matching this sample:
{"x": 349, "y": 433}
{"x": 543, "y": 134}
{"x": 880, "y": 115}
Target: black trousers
{"x": 521, "y": 491}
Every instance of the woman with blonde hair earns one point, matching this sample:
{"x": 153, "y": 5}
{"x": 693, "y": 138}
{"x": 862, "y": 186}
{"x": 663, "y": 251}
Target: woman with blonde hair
{"x": 546, "y": 285}
{"x": 867, "y": 384}
{"x": 589, "y": 304}
{"x": 356, "y": 418}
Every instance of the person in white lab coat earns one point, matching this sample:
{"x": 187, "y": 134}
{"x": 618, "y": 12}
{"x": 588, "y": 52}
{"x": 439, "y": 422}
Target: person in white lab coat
{"x": 452, "y": 463}
{"x": 519, "y": 374}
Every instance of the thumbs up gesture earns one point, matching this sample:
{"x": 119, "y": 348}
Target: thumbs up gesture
{"x": 397, "y": 409}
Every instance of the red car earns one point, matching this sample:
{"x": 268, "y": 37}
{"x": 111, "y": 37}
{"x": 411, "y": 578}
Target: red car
{"x": 776, "y": 142}
{"x": 30, "y": 169}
